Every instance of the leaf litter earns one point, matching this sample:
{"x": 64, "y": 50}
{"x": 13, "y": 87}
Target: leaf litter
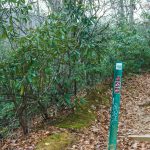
{"x": 134, "y": 119}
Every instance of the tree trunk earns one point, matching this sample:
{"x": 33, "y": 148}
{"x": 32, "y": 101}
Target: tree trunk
{"x": 55, "y": 5}
{"x": 131, "y": 12}
{"x": 75, "y": 87}
{"x": 22, "y": 115}
{"x": 43, "y": 110}
{"x": 23, "y": 124}
{"x": 121, "y": 12}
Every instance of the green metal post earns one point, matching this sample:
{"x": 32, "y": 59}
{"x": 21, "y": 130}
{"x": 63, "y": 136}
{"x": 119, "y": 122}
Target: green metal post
{"x": 115, "y": 107}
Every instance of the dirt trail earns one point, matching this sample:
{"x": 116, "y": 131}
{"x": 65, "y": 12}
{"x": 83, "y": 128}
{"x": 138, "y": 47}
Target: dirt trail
{"x": 134, "y": 119}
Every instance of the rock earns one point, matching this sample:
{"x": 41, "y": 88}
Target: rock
{"x": 140, "y": 137}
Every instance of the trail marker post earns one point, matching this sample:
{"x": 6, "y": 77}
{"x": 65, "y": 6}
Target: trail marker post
{"x": 115, "y": 107}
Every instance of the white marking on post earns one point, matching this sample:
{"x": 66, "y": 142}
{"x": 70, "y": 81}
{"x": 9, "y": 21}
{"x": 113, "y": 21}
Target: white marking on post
{"x": 118, "y": 66}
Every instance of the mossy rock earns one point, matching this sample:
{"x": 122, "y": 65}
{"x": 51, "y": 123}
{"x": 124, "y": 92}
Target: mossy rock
{"x": 58, "y": 141}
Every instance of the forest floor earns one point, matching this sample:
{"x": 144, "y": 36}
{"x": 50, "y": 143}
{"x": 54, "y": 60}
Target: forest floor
{"x": 134, "y": 119}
